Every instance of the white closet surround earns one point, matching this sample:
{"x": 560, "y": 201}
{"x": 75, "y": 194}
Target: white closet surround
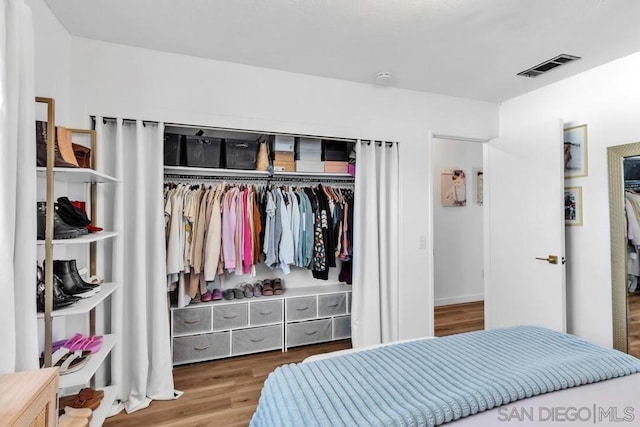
{"x": 18, "y": 329}
{"x": 144, "y": 372}
{"x": 376, "y": 280}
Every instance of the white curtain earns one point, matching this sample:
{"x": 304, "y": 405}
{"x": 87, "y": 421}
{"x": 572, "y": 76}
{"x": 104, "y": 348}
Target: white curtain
{"x": 18, "y": 328}
{"x": 144, "y": 367}
{"x": 374, "y": 316}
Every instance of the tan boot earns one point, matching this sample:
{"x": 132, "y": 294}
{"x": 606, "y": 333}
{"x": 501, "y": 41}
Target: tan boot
{"x": 64, "y": 147}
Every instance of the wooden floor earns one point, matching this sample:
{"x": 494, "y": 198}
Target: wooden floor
{"x": 634, "y": 324}
{"x": 225, "y": 392}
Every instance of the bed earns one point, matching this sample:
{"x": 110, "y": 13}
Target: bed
{"x": 527, "y": 375}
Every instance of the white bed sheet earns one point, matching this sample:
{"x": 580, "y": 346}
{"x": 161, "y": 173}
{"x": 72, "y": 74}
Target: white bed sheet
{"x": 613, "y": 402}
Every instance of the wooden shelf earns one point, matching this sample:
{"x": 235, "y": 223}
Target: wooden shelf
{"x": 103, "y": 411}
{"x": 83, "y": 376}
{"x": 87, "y": 238}
{"x": 77, "y": 175}
{"x": 87, "y": 304}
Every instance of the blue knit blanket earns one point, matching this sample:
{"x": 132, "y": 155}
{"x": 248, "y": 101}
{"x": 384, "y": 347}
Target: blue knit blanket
{"x": 431, "y": 382}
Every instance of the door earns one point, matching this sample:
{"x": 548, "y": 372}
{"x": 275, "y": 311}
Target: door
{"x": 524, "y": 221}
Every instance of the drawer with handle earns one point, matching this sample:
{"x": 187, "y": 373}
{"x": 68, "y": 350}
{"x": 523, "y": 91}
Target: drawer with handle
{"x": 262, "y": 313}
{"x": 310, "y": 332}
{"x": 230, "y": 316}
{"x": 301, "y": 308}
{"x": 341, "y": 327}
{"x": 332, "y": 304}
{"x": 191, "y": 320}
{"x": 201, "y": 347}
{"x": 253, "y": 340}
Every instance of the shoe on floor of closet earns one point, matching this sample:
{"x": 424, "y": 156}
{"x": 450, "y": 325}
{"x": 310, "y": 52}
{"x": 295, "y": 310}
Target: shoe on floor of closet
{"x": 206, "y": 297}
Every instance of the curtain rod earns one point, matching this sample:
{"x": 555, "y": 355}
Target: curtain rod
{"x": 222, "y": 129}
{"x": 460, "y": 138}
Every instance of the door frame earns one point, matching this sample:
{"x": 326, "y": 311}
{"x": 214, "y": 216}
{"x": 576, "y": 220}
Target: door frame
{"x": 430, "y": 192}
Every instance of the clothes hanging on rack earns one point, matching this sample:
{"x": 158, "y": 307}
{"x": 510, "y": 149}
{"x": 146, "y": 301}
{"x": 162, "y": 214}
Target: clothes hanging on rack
{"x": 632, "y": 212}
{"x": 230, "y": 228}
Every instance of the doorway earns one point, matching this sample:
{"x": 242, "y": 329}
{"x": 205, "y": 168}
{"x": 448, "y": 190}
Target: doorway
{"x": 458, "y": 241}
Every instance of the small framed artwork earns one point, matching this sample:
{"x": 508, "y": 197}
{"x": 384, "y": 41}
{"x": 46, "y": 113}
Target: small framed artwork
{"x": 573, "y": 205}
{"x": 453, "y": 188}
{"x": 478, "y": 185}
{"x": 575, "y": 152}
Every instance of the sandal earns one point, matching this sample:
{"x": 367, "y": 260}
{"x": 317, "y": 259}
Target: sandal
{"x": 86, "y": 398}
{"x": 257, "y": 289}
{"x": 248, "y": 291}
{"x": 267, "y": 288}
{"x": 277, "y": 287}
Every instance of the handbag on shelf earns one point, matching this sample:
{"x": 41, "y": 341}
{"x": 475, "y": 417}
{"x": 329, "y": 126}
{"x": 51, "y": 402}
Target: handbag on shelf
{"x": 82, "y": 154}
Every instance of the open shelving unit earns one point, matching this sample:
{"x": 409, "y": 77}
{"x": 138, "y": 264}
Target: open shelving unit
{"x": 76, "y": 176}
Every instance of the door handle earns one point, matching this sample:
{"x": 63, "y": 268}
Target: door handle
{"x": 551, "y": 259}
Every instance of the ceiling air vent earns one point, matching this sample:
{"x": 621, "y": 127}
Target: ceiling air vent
{"x": 548, "y": 65}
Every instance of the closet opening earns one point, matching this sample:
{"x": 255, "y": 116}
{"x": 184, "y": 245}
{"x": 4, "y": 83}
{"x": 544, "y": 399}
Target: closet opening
{"x": 458, "y": 240}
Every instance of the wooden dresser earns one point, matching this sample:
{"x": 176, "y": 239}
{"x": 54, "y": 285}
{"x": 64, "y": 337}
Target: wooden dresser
{"x": 29, "y": 398}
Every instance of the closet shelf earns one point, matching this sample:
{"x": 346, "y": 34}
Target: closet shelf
{"x": 76, "y": 175}
{"x": 101, "y": 414}
{"x": 87, "y": 238}
{"x": 86, "y": 305}
{"x": 185, "y": 170}
{"x": 83, "y": 376}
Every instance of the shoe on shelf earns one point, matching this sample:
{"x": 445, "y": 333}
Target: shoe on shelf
{"x": 72, "y": 283}
{"x": 206, "y": 297}
{"x": 229, "y": 294}
{"x": 248, "y": 290}
{"x": 70, "y": 214}
{"x": 60, "y": 229}
{"x": 82, "y": 206}
{"x": 257, "y": 289}
{"x": 277, "y": 287}
{"x": 60, "y": 299}
{"x": 267, "y": 288}
{"x": 216, "y": 294}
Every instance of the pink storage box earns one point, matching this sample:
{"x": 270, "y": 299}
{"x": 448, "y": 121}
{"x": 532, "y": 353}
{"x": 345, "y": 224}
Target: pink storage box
{"x": 336, "y": 167}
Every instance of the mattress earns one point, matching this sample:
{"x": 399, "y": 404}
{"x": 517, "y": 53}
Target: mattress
{"x": 482, "y": 377}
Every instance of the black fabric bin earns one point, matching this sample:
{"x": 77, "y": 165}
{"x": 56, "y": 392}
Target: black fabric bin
{"x": 203, "y": 151}
{"x": 173, "y": 150}
{"x": 335, "y": 151}
{"x": 241, "y": 154}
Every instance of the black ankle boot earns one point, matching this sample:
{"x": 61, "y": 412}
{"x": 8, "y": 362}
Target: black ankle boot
{"x": 78, "y": 279}
{"x": 72, "y": 284}
{"x": 60, "y": 229}
{"x": 60, "y": 299}
{"x": 41, "y": 143}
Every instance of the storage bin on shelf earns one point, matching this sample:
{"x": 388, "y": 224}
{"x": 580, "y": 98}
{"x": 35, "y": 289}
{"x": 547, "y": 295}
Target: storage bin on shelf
{"x": 309, "y": 149}
{"x": 284, "y": 143}
{"x": 241, "y": 154}
{"x": 336, "y": 167}
{"x": 203, "y": 151}
{"x": 309, "y": 166}
{"x": 336, "y": 151}
{"x": 172, "y": 149}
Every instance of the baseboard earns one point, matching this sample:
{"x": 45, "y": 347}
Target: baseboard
{"x": 458, "y": 300}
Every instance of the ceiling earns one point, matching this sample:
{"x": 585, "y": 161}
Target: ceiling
{"x": 465, "y": 48}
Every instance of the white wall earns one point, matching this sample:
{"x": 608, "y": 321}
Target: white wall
{"x": 116, "y": 80}
{"x": 607, "y": 99}
{"x": 52, "y": 60}
{"x": 457, "y": 231}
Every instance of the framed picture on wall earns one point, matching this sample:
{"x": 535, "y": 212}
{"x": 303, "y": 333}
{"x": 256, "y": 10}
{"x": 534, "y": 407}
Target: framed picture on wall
{"x": 573, "y": 205}
{"x": 478, "y": 185}
{"x": 453, "y": 188}
{"x": 575, "y": 151}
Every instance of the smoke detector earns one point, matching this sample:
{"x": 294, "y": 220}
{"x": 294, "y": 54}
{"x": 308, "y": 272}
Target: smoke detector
{"x": 383, "y": 78}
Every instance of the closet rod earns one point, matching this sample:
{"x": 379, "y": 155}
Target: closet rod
{"x": 289, "y": 179}
{"x": 222, "y": 129}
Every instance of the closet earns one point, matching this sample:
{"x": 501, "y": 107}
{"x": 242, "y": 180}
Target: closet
{"x": 221, "y": 293}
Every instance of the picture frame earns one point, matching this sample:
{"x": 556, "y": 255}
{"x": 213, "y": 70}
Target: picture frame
{"x": 478, "y": 186}
{"x": 453, "y": 188}
{"x": 575, "y": 152}
{"x": 573, "y": 205}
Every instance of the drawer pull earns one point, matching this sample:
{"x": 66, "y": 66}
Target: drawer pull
{"x": 257, "y": 339}
{"x": 230, "y": 317}
{"x": 303, "y": 309}
{"x": 201, "y": 348}
{"x": 191, "y": 322}
{"x": 311, "y": 333}
{"x": 266, "y": 314}
{"x": 333, "y": 305}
